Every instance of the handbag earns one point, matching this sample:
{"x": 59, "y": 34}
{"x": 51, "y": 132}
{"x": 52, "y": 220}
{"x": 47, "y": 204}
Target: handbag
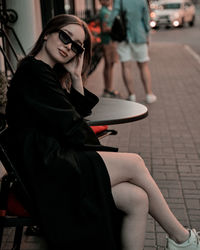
{"x": 118, "y": 29}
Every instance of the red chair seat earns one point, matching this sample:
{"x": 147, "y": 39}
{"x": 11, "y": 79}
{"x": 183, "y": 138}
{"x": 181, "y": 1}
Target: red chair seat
{"x": 15, "y": 208}
{"x": 98, "y": 129}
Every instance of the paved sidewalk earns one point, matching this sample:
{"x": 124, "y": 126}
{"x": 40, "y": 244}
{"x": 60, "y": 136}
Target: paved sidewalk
{"x": 168, "y": 139}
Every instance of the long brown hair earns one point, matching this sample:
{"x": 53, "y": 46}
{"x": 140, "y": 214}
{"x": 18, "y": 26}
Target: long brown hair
{"x": 55, "y": 24}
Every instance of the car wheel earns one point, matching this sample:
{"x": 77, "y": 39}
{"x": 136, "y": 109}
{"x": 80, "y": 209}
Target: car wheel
{"x": 191, "y": 23}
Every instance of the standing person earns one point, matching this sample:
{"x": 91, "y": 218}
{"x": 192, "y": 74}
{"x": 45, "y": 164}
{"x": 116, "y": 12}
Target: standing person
{"x": 75, "y": 185}
{"x": 109, "y": 49}
{"x": 136, "y": 46}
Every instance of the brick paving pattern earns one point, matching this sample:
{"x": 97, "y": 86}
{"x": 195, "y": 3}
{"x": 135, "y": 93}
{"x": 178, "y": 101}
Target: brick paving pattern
{"x": 168, "y": 139}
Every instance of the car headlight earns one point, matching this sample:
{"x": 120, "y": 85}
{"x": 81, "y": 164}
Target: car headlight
{"x": 152, "y": 14}
{"x": 152, "y": 24}
{"x": 176, "y": 23}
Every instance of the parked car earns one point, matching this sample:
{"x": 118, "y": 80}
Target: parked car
{"x": 174, "y": 13}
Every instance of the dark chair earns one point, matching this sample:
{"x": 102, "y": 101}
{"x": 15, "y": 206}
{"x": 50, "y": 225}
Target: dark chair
{"x": 2, "y": 122}
{"x": 12, "y": 212}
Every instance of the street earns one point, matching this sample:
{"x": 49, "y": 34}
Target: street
{"x": 186, "y": 35}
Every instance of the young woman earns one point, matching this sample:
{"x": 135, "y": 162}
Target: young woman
{"x": 67, "y": 172}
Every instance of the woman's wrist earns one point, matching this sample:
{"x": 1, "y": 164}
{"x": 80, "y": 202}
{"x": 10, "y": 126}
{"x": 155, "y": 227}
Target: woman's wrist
{"x": 76, "y": 78}
{"x": 77, "y": 84}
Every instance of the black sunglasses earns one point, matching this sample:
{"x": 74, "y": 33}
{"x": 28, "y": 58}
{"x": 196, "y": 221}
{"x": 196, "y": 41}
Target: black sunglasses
{"x": 66, "y": 39}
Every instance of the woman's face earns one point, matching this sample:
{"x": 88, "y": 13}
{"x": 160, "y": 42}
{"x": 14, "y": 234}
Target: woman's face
{"x": 61, "y": 47}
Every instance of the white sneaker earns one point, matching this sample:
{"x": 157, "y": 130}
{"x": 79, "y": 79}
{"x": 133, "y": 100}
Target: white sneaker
{"x": 150, "y": 98}
{"x": 193, "y": 243}
{"x": 132, "y": 98}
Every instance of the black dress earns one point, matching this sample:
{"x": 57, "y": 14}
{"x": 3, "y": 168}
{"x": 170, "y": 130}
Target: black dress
{"x": 55, "y": 153}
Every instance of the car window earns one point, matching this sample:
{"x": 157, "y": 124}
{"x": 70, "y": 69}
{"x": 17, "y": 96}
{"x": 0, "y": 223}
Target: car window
{"x": 171, "y": 6}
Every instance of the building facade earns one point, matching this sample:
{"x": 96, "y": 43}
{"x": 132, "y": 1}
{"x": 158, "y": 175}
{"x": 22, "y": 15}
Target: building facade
{"x": 32, "y": 15}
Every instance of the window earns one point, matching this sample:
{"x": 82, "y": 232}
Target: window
{"x": 171, "y": 6}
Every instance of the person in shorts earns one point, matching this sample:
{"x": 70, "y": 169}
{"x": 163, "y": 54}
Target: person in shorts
{"x": 109, "y": 49}
{"x": 135, "y": 48}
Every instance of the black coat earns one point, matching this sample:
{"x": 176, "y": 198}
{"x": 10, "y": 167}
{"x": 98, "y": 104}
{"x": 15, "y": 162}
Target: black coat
{"x": 55, "y": 153}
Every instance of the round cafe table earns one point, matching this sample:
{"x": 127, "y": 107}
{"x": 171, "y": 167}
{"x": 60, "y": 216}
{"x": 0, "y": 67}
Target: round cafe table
{"x": 110, "y": 111}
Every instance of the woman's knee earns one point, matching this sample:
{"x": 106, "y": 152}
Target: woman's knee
{"x": 139, "y": 202}
{"x": 137, "y": 158}
{"x": 130, "y": 198}
{"x": 123, "y": 167}
{"x": 137, "y": 162}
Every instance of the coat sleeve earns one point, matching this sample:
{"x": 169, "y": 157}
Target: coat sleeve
{"x": 44, "y": 105}
{"x": 83, "y": 103}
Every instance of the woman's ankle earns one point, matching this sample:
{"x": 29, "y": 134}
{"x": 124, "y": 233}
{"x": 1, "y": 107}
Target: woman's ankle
{"x": 180, "y": 238}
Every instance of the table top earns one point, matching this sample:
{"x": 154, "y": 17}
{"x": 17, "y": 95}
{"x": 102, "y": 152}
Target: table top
{"x": 116, "y": 111}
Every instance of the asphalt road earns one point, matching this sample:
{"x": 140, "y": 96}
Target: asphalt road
{"x": 186, "y": 35}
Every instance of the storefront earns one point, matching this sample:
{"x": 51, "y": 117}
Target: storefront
{"x": 32, "y": 15}
{"x": 83, "y": 8}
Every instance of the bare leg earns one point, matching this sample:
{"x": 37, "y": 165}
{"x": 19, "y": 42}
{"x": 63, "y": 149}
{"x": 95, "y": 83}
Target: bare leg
{"x": 128, "y": 76}
{"x": 134, "y": 202}
{"x": 108, "y": 75}
{"x": 111, "y": 66}
{"x": 128, "y": 167}
{"x": 145, "y": 77}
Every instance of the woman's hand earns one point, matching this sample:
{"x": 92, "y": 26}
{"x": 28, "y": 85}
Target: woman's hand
{"x": 74, "y": 67}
